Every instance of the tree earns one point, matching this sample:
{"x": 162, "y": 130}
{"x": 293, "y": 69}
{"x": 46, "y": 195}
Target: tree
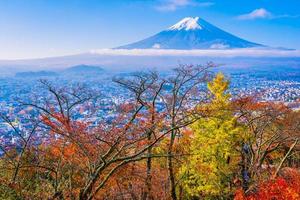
{"x": 270, "y": 131}
{"x": 96, "y": 153}
{"x": 16, "y": 154}
{"x": 147, "y": 88}
{"x": 285, "y": 186}
{"x": 180, "y": 104}
{"x": 210, "y": 169}
{"x": 175, "y": 97}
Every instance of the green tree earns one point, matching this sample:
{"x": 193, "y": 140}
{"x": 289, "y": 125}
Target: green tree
{"x": 210, "y": 169}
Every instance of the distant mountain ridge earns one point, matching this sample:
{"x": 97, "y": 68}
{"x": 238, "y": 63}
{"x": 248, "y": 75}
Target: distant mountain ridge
{"x": 192, "y": 33}
{"x": 83, "y": 69}
{"x": 74, "y": 70}
{"x": 32, "y": 74}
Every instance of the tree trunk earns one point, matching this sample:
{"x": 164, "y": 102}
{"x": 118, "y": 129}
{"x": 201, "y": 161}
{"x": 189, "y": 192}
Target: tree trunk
{"x": 244, "y": 167}
{"x": 170, "y": 167}
{"x": 147, "y": 193}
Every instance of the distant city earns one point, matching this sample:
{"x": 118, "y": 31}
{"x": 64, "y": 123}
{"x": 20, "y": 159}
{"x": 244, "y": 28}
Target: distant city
{"x": 275, "y": 85}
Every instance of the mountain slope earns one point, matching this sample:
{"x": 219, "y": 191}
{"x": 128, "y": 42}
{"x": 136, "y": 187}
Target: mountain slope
{"x": 192, "y": 33}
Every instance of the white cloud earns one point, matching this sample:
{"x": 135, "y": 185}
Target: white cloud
{"x": 260, "y": 13}
{"x": 172, "y": 5}
{"x": 156, "y": 46}
{"x": 245, "y": 52}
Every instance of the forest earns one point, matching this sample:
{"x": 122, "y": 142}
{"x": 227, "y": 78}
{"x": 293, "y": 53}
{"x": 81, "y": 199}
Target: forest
{"x": 177, "y": 137}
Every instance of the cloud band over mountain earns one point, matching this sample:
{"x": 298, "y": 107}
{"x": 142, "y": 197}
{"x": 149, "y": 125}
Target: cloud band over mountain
{"x": 244, "y": 52}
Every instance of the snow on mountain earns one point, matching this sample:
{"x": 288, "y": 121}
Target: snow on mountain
{"x": 192, "y": 33}
{"x": 187, "y": 23}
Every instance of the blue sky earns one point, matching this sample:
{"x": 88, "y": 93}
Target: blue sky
{"x": 43, "y": 28}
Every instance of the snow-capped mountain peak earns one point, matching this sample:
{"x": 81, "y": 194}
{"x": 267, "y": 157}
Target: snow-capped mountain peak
{"x": 192, "y": 33}
{"x": 188, "y": 23}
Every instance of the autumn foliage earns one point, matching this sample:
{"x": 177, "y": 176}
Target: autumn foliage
{"x": 279, "y": 188}
{"x": 178, "y": 137}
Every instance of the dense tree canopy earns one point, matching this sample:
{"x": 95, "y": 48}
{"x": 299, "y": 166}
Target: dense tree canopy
{"x": 214, "y": 156}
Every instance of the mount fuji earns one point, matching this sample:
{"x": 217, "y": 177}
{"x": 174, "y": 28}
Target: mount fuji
{"x": 192, "y": 40}
{"x": 192, "y": 33}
